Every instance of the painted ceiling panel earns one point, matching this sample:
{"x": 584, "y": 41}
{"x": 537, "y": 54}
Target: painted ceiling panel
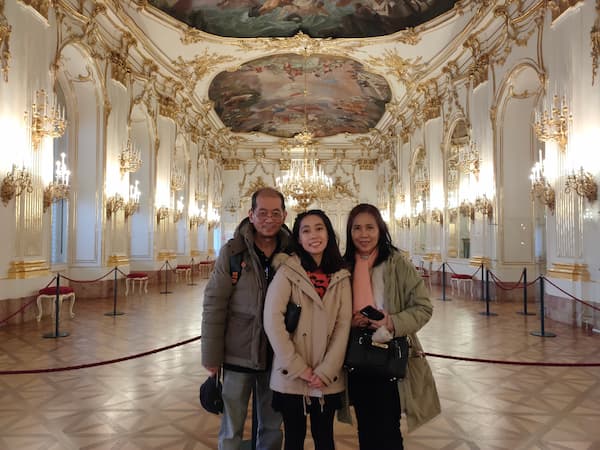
{"x": 285, "y": 94}
{"x": 316, "y": 18}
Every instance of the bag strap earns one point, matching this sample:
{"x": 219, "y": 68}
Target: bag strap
{"x": 235, "y": 267}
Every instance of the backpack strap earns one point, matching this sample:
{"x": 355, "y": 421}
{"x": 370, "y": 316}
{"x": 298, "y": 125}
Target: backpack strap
{"x": 235, "y": 267}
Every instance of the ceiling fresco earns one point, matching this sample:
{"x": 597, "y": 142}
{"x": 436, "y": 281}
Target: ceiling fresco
{"x": 316, "y": 18}
{"x": 284, "y": 94}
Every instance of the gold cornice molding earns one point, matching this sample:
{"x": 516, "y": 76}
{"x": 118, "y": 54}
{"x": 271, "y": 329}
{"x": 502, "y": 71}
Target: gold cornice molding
{"x": 231, "y": 163}
{"x": 569, "y": 271}
{"x": 117, "y": 260}
{"x": 28, "y": 269}
{"x": 5, "y": 30}
{"x": 163, "y": 256}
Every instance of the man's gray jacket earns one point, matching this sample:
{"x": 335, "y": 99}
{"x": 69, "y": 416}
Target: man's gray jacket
{"x": 232, "y": 318}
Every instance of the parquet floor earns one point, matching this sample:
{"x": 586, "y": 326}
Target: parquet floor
{"x": 151, "y": 402}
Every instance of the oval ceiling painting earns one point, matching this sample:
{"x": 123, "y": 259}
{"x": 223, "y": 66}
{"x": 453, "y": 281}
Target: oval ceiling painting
{"x": 284, "y": 95}
{"x": 316, "y": 18}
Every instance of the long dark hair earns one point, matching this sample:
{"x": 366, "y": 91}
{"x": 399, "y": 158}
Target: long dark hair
{"x": 332, "y": 260}
{"x": 384, "y": 246}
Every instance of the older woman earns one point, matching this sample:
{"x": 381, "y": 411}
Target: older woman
{"x": 385, "y": 281}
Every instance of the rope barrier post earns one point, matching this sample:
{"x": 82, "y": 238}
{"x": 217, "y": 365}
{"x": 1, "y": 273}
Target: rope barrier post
{"x": 482, "y": 296}
{"x": 114, "y": 312}
{"x": 487, "y": 293}
{"x": 542, "y": 332}
{"x": 524, "y": 312}
{"x": 166, "y": 291}
{"x": 57, "y": 333}
{"x": 191, "y": 283}
{"x": 444, "y": 298}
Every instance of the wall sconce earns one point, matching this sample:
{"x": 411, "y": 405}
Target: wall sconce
{"x": 403, "y": 222}
{"x": 130, "y": 158}
{"x": 178, "y": 214}
{"x": 554, "y": 126}
{"x": 198, "y": 218}
{"x": 177, "y": 180}
{"x": 468, "y": 159}
{"x": 437, "y": 215}
{"x": 540, "y": 188}
{"x": 113, "y": 204}
{"x": 161, "y": 214}
{"x": 467, "y": 209}
{"x": 452, "y": 214}
{"x": 484, "y": 206}
{"x": 419, "y": 218}
{"x": 133, "y": 204}
{"x": 15, "y": 183}
{"x": 583, "y": 184}
{"x": 59, "y": 188}
{"x": 47, "y": 120}
{"x": 213, "y": 218}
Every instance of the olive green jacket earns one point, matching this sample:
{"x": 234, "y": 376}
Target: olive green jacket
{"x": 407, "y": 302}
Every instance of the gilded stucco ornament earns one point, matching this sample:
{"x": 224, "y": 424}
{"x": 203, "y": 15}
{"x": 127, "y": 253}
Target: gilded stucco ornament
{"x": 559, "y": 7}
{"x": 196, "y": 69}
{"x": 595, "y": 42}
{"x": 478, "y": 69}
{"x": 404, "y": 70}
{"x": 168, "y": 107}
{"x": 5, "y": 30}
{"x": 432, "y": 107}
{"x": 41, "y": 6}
{"x": 301, "y": 44}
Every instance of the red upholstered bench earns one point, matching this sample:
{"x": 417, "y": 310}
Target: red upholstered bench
{"x": 49, "y": 293}
{"x": 185, "y": 269}
{"x": 460, "y": 281}
{"x": 140, "y": 277}
{"x": 205, "y": 268}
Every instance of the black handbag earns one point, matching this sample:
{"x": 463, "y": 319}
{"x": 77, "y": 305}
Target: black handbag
{"x": 374, "y": 358}
{"x": 292, "y": 316}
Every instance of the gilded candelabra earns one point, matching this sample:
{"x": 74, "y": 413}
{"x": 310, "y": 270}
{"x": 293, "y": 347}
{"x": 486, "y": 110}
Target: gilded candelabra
{"x": 130, "y": 159}
{"x": 540, "y": 188}
{"x": 403, "y": 222}
{"x": 46, "y": 120}
{"x": 15, "y": 183}
{"x": 114, "y": 204}
{"x": 419, "y": 218}
{"x": 554, "y": 125}
{"x": 198, "y": 217}
{"x": 437, "y": 216}
{"x": 133, "y": 204}
{"x": 177, "y": 180}
{"x": 213, "y": 218}
{"x": 178, "y": 213}
{"x": 59, "y": 188}
{"x": 583, "y": 184}
{"x": 161, "y": 214}
{"x": 484, "y": 206}
{"x": 468, "y": 159}
{"x": 467, "y": 209}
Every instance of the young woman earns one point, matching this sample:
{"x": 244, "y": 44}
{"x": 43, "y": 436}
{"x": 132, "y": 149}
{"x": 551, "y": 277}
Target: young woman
{"x": 385, "y": 280}
{"x": 307, "y": 377}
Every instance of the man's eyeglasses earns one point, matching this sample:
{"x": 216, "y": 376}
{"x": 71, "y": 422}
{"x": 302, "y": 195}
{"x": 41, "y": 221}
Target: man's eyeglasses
{"x": 263, "y": 214}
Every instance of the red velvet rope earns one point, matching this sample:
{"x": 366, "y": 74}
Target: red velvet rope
{"x": 514, "y": 363}
{"x": 572, "y": 297}
{"x": 87, "y": 281}
{"x": 100, "y": 363}
{"x": 25, "y": 306}
{"x": 452, "y": 270}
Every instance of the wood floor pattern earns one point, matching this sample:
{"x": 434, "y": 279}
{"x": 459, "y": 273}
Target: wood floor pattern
{"x": 151, "y": 402}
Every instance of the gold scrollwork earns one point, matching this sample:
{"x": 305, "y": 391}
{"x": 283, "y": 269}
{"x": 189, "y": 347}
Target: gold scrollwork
{"x": 405, "y": 70}
{"x": 5, "y": 30}
{"x": 41, "y": 6}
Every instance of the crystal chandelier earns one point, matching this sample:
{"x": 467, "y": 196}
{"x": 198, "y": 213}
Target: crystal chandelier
{"x": 177, "y": 180}
{"x": 130, "y": 158}
{"x": 468, "y": 159}
{"x": 305, "y": 181}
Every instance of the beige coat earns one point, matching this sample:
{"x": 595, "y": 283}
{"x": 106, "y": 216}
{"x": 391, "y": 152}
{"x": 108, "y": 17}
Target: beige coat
{"x": 322, "y": 335}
